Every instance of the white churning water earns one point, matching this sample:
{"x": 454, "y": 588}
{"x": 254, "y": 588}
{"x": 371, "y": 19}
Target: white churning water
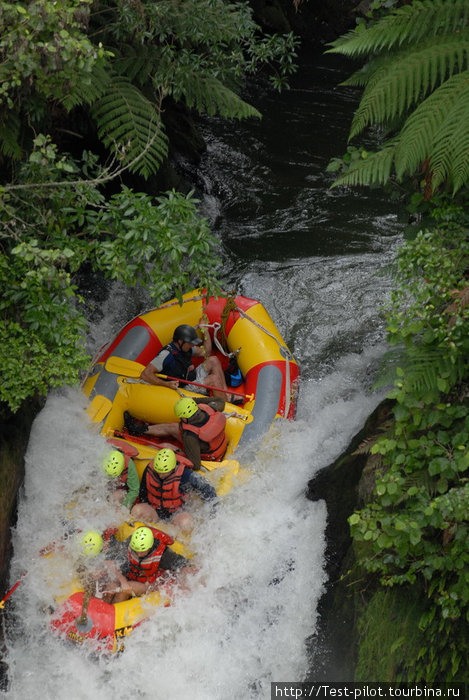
{"x": 253, "y": 603}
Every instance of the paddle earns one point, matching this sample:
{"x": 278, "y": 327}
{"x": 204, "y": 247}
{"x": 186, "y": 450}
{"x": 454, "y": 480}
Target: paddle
{"x": 99, "y": 408}
{"x": 10, "y": 592}
{"x": 130, "y": 368}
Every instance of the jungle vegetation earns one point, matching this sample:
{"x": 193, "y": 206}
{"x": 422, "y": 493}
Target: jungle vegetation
{"x": 84, "y": 86}
{"x": 411, "y": 536}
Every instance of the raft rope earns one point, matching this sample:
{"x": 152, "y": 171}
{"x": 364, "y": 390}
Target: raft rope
{"x": 216, "y": 327}
{"x": 231, "y": 306}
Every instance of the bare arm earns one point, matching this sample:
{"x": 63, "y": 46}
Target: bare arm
{"x": 149, "y": 375}
{"x": 206, "y": 349}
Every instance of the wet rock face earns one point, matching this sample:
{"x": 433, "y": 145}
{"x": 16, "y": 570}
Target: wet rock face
{"x": 14, "y": 436}
{"x": 344, "y": 485}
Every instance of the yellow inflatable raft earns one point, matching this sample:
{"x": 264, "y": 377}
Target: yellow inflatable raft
{"x": 239, "y": 327}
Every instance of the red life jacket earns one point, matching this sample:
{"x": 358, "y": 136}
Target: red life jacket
{"x": 164, "y": 494}
{"x": 147, "y": 569}
{"x": 212, "y": 432}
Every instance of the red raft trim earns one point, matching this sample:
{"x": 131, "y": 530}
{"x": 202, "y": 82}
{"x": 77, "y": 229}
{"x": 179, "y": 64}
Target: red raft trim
{"x": 101, "y": 614}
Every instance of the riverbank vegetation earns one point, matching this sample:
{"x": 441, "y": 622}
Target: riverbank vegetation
{"x": 86, "y": 89}
{"x": 410, "y": 537}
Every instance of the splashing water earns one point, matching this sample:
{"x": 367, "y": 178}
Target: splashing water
{"x": 253, "y": 602}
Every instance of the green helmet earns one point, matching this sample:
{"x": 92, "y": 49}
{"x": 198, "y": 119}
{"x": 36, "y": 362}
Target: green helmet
{"x": 185, "y": 408}
{"x": 164, "y": 461}
{"x": 114, "y": 463}
{"x": 91, "y": 543}
{"x": 142, "y": 539}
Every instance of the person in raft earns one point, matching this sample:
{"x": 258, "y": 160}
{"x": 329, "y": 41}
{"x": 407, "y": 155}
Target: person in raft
{"x": 148, "y": 558}
{"x": 175, "y": 360}
{"x": 163, "y": 490}
{"x": 201, "y": 428}
{"x": 97, "y": 566}
{"x": 123, "y": 478}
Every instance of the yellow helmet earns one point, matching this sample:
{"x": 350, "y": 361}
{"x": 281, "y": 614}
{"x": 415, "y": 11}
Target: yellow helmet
{"x": 185, "y": 408}
{"x": 91, "y": 543}
{"x": 114, "y": 463}
{"x": 164, "y": 461}
{"x": 142, "y": 539}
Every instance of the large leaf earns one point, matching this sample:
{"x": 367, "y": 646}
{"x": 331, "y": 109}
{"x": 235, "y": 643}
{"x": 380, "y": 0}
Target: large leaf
{"x": 130, "y": 124}
{"x": 208, "y": 95}
{"x": 403, "y": 26}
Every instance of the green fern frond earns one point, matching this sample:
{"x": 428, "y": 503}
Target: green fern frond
{"x": 210, "y": 96}
{"x": 365, "y": 446}
{"x": 449, "y": 157}
{"x": 422, "y": 366}
{"x": 10, "y": 126}
{"x": 88, "y": 91}
{"x": 364, "y": 76}
{"x": 425, "y": 366}
{"x": 129, "y": 124}
{"x": 418, "y": 136}
{"x": 137, "y": 64}
{"x": 405, "y": 25}
{"x": 420, "y": 478}
{"x": 460, "y": 163}
{"x": 374, "y": 170}
{"x": 405, "y": 78}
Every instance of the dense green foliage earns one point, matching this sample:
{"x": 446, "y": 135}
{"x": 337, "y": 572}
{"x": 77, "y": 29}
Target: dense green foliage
{"x": 415, "y": 531}
{"x": 415, "y": 90}
{"x": 121, "y": 60}
{"x": 160, "y": 243}
{"x": 83, "y": 90}
{"x": 411, "y": 537}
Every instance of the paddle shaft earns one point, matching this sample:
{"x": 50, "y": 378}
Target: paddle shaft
{"x": 12, "y": 590}
{"x": 205, "y": 386}
{"x": 130, "y": 368}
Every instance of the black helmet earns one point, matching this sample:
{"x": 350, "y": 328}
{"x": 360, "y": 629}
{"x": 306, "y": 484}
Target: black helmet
{"x": 188, "y": 334}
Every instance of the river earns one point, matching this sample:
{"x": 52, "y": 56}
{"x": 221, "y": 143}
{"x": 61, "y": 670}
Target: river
{"x": 319, "y": 260}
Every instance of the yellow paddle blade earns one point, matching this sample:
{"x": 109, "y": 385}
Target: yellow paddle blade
{"x": 99, "y": 408}
{"x": 231, "y": 464}
{"x": 119, "y": 365}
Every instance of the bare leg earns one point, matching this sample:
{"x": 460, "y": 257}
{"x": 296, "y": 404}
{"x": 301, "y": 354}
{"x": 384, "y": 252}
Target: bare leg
{"x": 183, "y": 522}
{"x": 216, "y": 378}
{"x": 164, "y": 430}
{"x": 144, "y": 511}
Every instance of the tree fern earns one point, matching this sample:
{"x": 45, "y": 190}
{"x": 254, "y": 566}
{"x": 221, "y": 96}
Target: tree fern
{"x": 412, "y": 89}
{"x": 422, "y": 366}
{"x": 404, "y": 79}
{"x": 376, "y": 169}
{"x": 208, "y": 95}
{"x": 418, "y": 135}
{"x": 137, "y": 64}
{"x": 10, "y": 126}
{"x": 130, "y": 125}
{"x": 405, "y": 25}
{"x": 89, "y": 90}
{"x": 449, "y": 157}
